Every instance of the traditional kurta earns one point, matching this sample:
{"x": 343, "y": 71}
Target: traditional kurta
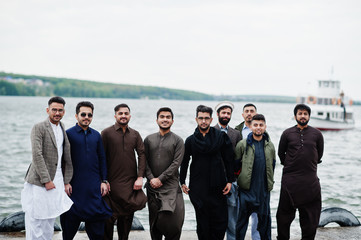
{"x": 42, "y": 206}
{"x": 164, "y": 155}
{"x": 300, "y": 151}
{"x": 210, "y": 170}
{"x": 90, "y": 169}
{"x": 40, "y": 203}
{"x": 123, "y": 170}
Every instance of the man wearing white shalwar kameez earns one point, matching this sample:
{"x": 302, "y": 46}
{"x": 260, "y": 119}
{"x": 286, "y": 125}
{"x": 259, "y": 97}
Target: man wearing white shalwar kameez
{"x": 44, "y": 196}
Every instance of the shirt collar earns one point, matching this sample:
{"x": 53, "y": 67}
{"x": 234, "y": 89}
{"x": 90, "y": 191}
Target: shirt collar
{"x": 118, "y": 126}
{"x": 223, "y": 129}
{"x": 79, "y": 129}
{"x": 54, "y": 126}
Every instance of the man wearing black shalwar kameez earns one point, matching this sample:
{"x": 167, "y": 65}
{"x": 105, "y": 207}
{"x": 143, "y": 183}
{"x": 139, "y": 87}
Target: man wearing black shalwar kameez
{"x": 211, "y": 175}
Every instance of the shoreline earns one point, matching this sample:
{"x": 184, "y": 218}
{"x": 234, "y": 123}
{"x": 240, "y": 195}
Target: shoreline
{"x": 326, "y": 233}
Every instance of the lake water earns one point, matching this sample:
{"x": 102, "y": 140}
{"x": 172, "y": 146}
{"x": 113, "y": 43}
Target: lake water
{"x": 339, "y": 173}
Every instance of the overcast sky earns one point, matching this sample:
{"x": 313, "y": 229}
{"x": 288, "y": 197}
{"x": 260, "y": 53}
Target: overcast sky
{"x": 217, "y": 47}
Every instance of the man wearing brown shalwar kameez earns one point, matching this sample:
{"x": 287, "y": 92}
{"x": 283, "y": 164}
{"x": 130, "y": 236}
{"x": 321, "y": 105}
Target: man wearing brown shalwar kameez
{"x": 164, "y": 151}
{"x": 125, "y": 177}
{"x": 300, "y": 150}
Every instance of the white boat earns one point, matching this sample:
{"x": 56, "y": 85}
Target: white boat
{"x": 330, "y": 108}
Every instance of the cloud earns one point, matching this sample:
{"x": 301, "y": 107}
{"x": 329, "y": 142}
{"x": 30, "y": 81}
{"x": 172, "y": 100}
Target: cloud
{"x": 230, "y": 47}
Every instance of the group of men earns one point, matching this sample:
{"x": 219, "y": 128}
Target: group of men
{"x": 97, "y": 178}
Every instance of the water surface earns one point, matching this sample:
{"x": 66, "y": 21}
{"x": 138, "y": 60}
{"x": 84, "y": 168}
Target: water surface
{"x": 339, "y": 173}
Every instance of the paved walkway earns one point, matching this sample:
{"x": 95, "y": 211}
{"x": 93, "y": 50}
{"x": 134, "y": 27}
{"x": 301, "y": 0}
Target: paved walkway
{"x": 328, "y": 233}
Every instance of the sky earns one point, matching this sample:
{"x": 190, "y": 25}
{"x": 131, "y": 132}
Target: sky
{"x": 278, "y": 47}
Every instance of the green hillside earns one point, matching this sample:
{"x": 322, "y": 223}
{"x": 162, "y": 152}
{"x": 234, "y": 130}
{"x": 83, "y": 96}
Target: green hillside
{"x": 32, "y": 85}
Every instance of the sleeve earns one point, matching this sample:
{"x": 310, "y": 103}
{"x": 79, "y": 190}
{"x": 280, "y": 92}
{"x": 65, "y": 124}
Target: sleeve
{"x": 273, "y": 156}
{"x": 67, "y": 163}
{"x": 282, "y": 147}
{"x": 104, "y": 140}
{"x": 141, "y": 156}
{"x": 239, "y": 137}
{"x": 320, "y": 147}
{"x": 102, "y": 159}
{"x": 178, "y": 157}
{"x": 37, "y": 135}
{"x": 228, "y": 158}
{"x": 238, "y": 159}
{"x": 148, "y": 171}
{"x": 185, "y": 162}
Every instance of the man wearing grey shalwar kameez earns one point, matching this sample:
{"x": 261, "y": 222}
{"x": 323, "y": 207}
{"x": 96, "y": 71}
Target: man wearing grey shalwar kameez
{"x": 164, "y": 153}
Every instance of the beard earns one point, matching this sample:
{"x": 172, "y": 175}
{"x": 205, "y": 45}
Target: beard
{"x": 83, "y": 125}
{"x": 164, "y": 128}
{"x": 123, "y": 123}
{"x": 204, "y": 129}
{"x": 224, "y": 121}
{"x": 258, "y": 134}
{"x": 302, "y": 123}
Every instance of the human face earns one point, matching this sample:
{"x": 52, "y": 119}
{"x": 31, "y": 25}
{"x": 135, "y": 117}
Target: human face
{"x": 302, "y": 117}
{"x": 84, "y": 117}
{"x": 165, "y": 120}
{"x": 224, "y": 116}
{"x": 248, "y": 113}
{"x": 56, "y": 112}
{"x": 204, "y": 121}
{"x": 122, "y": 116}
{"x": 258, "y": 127}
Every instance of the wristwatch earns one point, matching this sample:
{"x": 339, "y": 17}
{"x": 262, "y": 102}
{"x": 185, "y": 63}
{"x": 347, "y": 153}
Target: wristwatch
{"x": 105, "y": 181}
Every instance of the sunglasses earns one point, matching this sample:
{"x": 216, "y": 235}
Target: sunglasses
{"x": 84, "y": 115}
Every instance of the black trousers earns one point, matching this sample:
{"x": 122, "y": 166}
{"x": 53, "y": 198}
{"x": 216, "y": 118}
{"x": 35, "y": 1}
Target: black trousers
{"x": 124, "y": 225}
{"x": 309, "y": 217}
{"x": 71, "y": 222}
{"x": 212, "y": 217}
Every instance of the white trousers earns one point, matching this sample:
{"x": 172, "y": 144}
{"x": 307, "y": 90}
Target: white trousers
{"x": 39, "y": 229}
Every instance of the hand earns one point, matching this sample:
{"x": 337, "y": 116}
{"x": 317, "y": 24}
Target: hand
{"x": 104, "y": 189}
{"x": 185, "y": 188}
{"x": 49, "y": 185}
{"x": 68, "y": 189}
{"x": 227, "y": 188}
{"x": 156, "y": 183}
{"x": 138, "y": 183}
{"x": 108, "y": 186}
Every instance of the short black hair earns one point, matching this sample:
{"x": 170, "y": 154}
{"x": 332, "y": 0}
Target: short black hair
{"x": 165, "y": 109}
{"x": 56, "y": 99}
{"x": 122, "y": 105}
{"x": 83, "y": 104}
{"x": 249, "y": 105}
{"x": 302, "y": 106}
{"x": 202, "y": 108}
{"x": 259, "y": 117}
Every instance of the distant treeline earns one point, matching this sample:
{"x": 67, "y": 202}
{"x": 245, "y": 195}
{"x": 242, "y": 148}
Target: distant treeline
{"x": 31, "y": 85}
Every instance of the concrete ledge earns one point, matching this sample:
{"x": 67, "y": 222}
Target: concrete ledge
{"x": 327, "y": 233}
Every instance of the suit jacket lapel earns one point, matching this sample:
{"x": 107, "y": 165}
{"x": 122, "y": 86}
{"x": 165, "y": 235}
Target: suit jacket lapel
{"x": 64, "y": 133}
{"x": 51, "y": 132}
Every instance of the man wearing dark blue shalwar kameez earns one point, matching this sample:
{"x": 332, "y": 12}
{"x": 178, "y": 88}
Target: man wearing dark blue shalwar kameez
{"x": 257, "y": 156}
{"x": 89, "y": 179}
